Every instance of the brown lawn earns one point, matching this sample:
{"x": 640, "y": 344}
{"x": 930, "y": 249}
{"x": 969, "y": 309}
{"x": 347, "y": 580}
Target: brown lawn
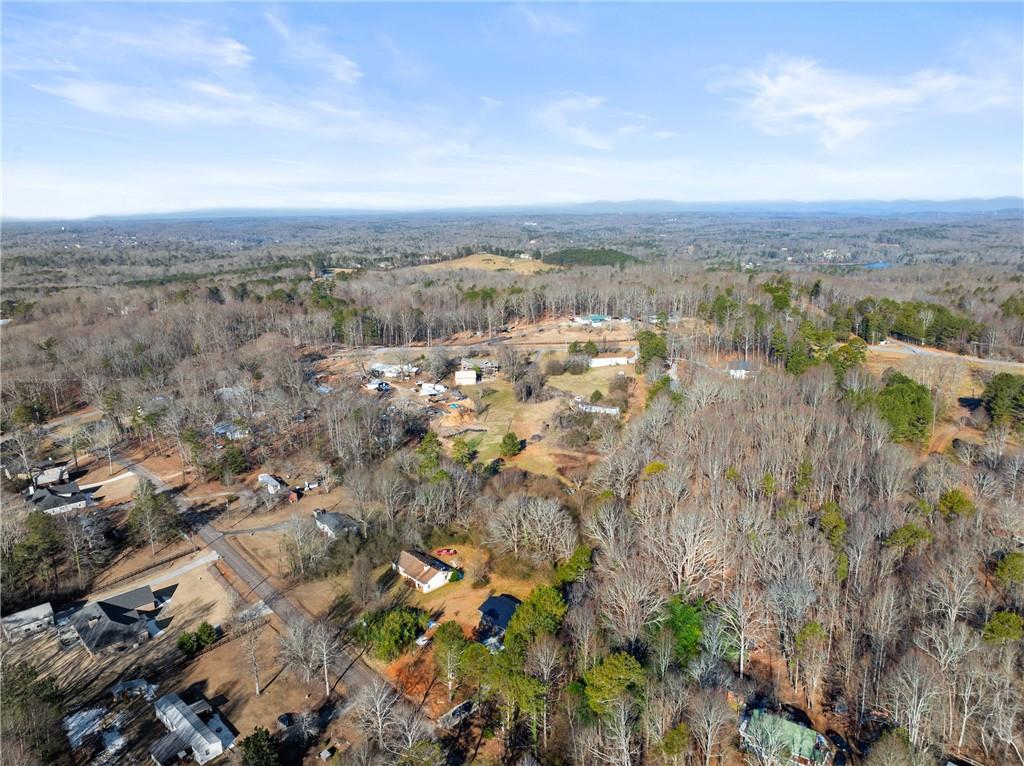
{"x": 224, "y": 673}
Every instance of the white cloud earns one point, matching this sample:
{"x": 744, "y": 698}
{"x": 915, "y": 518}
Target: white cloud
{"x": 195, "y": 102}
{"x": 57, "y": 47}
{"x": 217, "y": 91}
{"x": 489, "y": 104}
{"x": 798, "y": 95}
{"x": 569, "y": 118}
{"x": 307, "y": 45}
{"x": 547, "y": 23}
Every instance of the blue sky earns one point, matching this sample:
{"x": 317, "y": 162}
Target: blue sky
{"x": 111, "y": 108}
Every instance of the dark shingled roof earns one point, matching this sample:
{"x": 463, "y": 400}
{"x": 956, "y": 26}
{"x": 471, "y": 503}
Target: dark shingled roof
{"x": 101, "y": 624}
{"x": 133, "y": 599}
{"x": 498, "y": 610}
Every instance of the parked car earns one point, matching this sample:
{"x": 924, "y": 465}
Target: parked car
{"x": 457, "y": 714}
{"x": 445, "y": 552}
{"x": 285, "y": 720}
{"x": 423, "y": 640}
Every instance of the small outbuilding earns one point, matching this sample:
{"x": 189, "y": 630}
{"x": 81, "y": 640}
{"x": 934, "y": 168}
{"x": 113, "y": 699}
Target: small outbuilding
{"x": 432, "y": 389}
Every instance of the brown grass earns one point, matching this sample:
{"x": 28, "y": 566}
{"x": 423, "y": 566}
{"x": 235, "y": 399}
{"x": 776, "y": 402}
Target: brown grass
{"x": 487, "y": 262}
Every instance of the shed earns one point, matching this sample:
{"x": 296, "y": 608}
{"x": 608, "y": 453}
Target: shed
{"x": 465, "y": 377}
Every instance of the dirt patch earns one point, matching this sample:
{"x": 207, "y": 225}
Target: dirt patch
{"x": 488, "y": 262}
{"x": 910, "y": 359}
{"x": 416, "y": 675}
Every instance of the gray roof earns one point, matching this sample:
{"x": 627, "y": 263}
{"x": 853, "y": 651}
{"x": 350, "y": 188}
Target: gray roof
{"x": 165, "y": 750}
{"x": 101, "y": 624}
{"x": 133, "y": 599}
{"x": 57, "y": 496}
{"x": 28, "y": 616}
{"x": 183, "y": 721}
{"x": 740, "y": 364}
{"x": 337, "y": 522}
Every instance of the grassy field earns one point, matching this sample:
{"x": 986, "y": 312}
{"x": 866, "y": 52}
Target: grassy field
{"x": 503, "y": 413}
{"x": 487, "y": 262}
{"x": 592, "y": 380}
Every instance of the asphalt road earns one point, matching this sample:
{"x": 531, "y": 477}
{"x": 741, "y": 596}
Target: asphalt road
{"x": 356, "y": 675}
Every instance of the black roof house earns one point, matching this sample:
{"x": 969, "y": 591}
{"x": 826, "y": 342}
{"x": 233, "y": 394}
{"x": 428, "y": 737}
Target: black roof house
{"x": 118, "y": 622}
{"x": 496, "y": 612}
{"x": 57, "y": 496}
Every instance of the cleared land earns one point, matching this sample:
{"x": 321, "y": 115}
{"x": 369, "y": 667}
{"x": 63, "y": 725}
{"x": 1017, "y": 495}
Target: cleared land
{"x": 595, "y": 379}
{"x": 488, "y": 262}
{"x": 911, "y": 359}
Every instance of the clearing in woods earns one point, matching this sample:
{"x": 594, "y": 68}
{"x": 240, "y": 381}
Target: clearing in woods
{"x": 911, "y": 360}
{"x": 488, "y": 262}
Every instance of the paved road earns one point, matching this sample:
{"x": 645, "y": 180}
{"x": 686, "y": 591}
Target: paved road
{"x": 357, "y": 674}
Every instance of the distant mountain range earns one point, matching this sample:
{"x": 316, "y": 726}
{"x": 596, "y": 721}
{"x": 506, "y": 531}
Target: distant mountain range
{"x": 860, "y": 207}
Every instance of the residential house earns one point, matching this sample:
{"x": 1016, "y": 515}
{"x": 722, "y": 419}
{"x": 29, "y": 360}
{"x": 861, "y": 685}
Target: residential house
{"x": 335, "y": 524}
{"x": 611, "y": 361}
{"x": 487, "y": 367}
{"x": 273, "y": 484}
{"x": 191, "y": 730}
{"x": 49, "y": 473}
{"x": 424, "y": 572}
{"x": 782, "y": 742}
{"x": 594, "y": 320}
{"x": 495, "y": 614}
{"x": 59, "y": 498}
{"x": 27, "y": 622}
{"x": 118, "y": 623}
{"x": 740, "y": 369}
{"x": 230, "y": 431}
